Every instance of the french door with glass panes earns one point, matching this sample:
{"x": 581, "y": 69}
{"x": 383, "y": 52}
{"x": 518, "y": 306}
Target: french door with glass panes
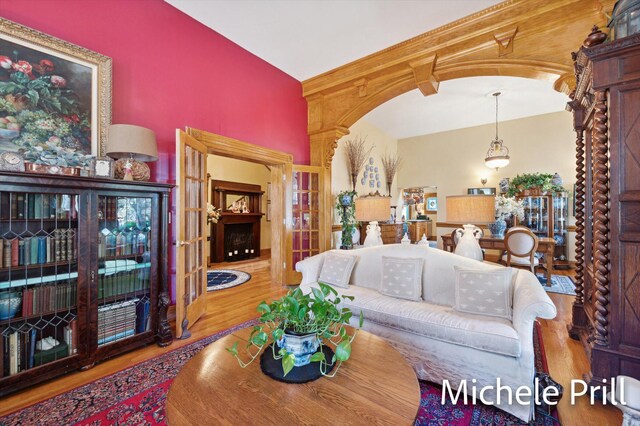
{"x": 305, "y": 225}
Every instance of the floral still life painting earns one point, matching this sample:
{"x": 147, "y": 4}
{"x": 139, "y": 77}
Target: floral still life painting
{"x": 51, "y": 102}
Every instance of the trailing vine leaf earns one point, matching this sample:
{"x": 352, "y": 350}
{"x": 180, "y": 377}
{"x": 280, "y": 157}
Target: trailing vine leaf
{"x": 288, "y": 362}
{"x": 343, "y": 350}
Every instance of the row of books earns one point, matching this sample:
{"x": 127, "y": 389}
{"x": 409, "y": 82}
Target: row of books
{"x": 123, "y": 282}
{"x": 23, "y": 205}
{"x": 120, "y": 320}
{"x": 21, "y": 351}
{"x": 122, "y": 244}
{"x": 60, "y": 246}
{"x": 44, "y": 299}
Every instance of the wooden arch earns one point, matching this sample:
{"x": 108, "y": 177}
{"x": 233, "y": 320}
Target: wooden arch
{"x": 521, "y": 38}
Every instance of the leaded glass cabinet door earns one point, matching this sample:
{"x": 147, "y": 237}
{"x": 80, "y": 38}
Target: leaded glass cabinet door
{"x": 306, "y": 236}
{"x": 126, "y": 258}
{"x": 41, "y": 305}
{"x": 191, "y": 282}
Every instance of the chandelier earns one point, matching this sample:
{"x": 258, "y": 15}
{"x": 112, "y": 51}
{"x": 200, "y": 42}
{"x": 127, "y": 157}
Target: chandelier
{"x": 498, "y": 154}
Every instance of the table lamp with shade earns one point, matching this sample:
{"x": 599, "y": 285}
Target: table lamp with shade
{"x": 131, "y": 146}
{"x": 373, "y": 208}
{"x": 470, "y": 210}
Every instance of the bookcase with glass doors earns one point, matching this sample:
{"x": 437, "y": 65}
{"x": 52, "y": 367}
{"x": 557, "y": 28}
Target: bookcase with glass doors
{"x": 83, "y": 273}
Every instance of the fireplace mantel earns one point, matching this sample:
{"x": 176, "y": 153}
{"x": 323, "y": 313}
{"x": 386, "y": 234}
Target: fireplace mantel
{"x": 249, "y": 245}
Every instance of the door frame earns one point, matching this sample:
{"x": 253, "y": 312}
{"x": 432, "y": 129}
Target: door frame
{"x": 281, "y": 165}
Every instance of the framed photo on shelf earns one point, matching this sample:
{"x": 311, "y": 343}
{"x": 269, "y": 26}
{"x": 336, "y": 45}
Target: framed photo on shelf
{"x": 481, "y": 191}
{"x": 48, "y": 80}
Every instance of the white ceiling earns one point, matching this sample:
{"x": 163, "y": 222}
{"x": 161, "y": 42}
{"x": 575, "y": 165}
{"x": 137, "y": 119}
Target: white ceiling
{"x": 465, "y": 102}
{"x": 305, "y": 38}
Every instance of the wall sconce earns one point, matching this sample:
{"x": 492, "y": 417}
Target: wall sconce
{"x": 483, "y": 181}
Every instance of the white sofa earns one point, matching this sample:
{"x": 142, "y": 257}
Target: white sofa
{"x": 440, "y": 342}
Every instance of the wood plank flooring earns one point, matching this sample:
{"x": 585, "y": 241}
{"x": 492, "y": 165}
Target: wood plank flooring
{"x": 232, "y": 306}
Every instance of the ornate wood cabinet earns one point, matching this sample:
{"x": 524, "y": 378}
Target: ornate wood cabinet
{"x": 83, "y": 273}
{"x": 606, "y": 109}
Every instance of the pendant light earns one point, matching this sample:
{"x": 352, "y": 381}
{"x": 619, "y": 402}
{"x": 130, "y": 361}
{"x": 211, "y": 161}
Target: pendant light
{"x": 498, "y": 154}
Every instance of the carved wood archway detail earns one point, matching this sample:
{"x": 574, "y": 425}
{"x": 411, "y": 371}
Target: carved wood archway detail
{"x": 520, "y": 38}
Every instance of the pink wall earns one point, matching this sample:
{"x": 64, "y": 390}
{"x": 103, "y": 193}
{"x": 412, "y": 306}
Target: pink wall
{"x": 170, "y": 71}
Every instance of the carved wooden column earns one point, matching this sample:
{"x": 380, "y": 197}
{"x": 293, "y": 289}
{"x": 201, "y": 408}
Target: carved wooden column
{"x": 601, "y": 219}
{"x": 323, "y": 146}
{"x": 579, "y": 318}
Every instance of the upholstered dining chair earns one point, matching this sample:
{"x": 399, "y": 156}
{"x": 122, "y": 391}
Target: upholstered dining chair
{"x": 521, "y": 245}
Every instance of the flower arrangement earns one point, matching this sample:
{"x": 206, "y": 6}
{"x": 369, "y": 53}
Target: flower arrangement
{"x": 507, "y": 206}
{"x": 357, "y": 155}
{"x": 213, "y": 214}
{"x": 41, "y": 114}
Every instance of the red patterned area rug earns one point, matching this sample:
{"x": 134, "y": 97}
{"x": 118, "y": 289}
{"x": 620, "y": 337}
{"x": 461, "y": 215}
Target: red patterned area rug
{"x": 136, "y": 396}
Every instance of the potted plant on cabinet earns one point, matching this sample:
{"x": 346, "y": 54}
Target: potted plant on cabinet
{"x": 533, "y": 184}
{"x": 297, "y": 329}
{"x": 345, "y": 203}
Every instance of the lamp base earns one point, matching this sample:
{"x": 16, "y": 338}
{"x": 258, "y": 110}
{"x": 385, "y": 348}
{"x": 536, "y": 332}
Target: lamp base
{"x": 139, "y": 170}
{"x": 374, "y": 237}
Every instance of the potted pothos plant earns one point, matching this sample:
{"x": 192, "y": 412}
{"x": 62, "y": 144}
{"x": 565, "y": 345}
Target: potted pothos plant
{"x": 297, "y": 326}
{"x": 346, "y": 206}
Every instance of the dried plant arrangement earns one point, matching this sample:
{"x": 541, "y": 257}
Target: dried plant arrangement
{"x": 357, "y": 155}
{"x": 390, "y": 164}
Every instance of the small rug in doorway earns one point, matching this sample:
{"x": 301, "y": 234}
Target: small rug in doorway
{"x": 219, "y": 279}
{"x": 559, "y": 284}
{"x": 137, "y": 396}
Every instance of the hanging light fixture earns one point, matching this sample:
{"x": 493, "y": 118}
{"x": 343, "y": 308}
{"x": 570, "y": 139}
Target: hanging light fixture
{"x": 498, "y": 154}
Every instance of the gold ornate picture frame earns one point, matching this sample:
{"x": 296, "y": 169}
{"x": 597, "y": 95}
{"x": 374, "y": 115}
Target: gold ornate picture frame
{"x": 52, "y": 93}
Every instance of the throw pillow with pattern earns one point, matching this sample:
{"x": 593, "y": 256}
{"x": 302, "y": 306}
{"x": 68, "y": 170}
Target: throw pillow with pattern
{"x": 402, "y": 277}
{"x": 336, "y": 269}
{"x": 484, "y": 292}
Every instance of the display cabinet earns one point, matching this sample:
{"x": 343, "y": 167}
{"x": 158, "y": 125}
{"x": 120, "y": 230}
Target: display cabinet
{"x": 547, "y": 215}
{"x": 83, "y": 273}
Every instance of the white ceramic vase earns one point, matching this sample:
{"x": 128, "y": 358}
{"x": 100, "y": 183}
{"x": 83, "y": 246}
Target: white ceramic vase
{"x": 468, "y": 245}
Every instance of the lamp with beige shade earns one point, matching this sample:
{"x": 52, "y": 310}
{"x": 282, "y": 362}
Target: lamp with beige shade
{"x": 372, "y": 209}
{"x": 470, "y": 210}
{"x": 132, "y": 146}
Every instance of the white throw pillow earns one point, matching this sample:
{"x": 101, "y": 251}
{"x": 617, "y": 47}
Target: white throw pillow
{"x": 402, "y": 277}
{"x": 484, "y": 292}
{"x": 336, "y": 269}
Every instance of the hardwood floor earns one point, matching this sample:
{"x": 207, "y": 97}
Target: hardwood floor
{"x": 232, "y": 306}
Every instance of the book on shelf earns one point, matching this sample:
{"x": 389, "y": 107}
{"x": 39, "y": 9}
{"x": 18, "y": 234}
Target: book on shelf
{"x": 142, "y": 316}
{"x": 6, "y": 253}
{"x": 70, "y": 337}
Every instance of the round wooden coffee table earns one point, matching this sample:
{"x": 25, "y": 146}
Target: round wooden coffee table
{"x": 376, "y": 386}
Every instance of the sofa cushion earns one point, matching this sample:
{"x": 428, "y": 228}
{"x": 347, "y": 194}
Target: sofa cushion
{"x": 484, "y": 292}
{"x": 438, "y": 322}
{"x": 402, "y": 277}
{"x": 336, "y": 269}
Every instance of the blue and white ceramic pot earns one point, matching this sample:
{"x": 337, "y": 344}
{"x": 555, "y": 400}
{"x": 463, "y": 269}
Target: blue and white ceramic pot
{"x": 498, "y": 227}
{"x": 302, "y": 346}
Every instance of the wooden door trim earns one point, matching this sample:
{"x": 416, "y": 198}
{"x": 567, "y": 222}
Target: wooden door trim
{"x": 281, "y": 164}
